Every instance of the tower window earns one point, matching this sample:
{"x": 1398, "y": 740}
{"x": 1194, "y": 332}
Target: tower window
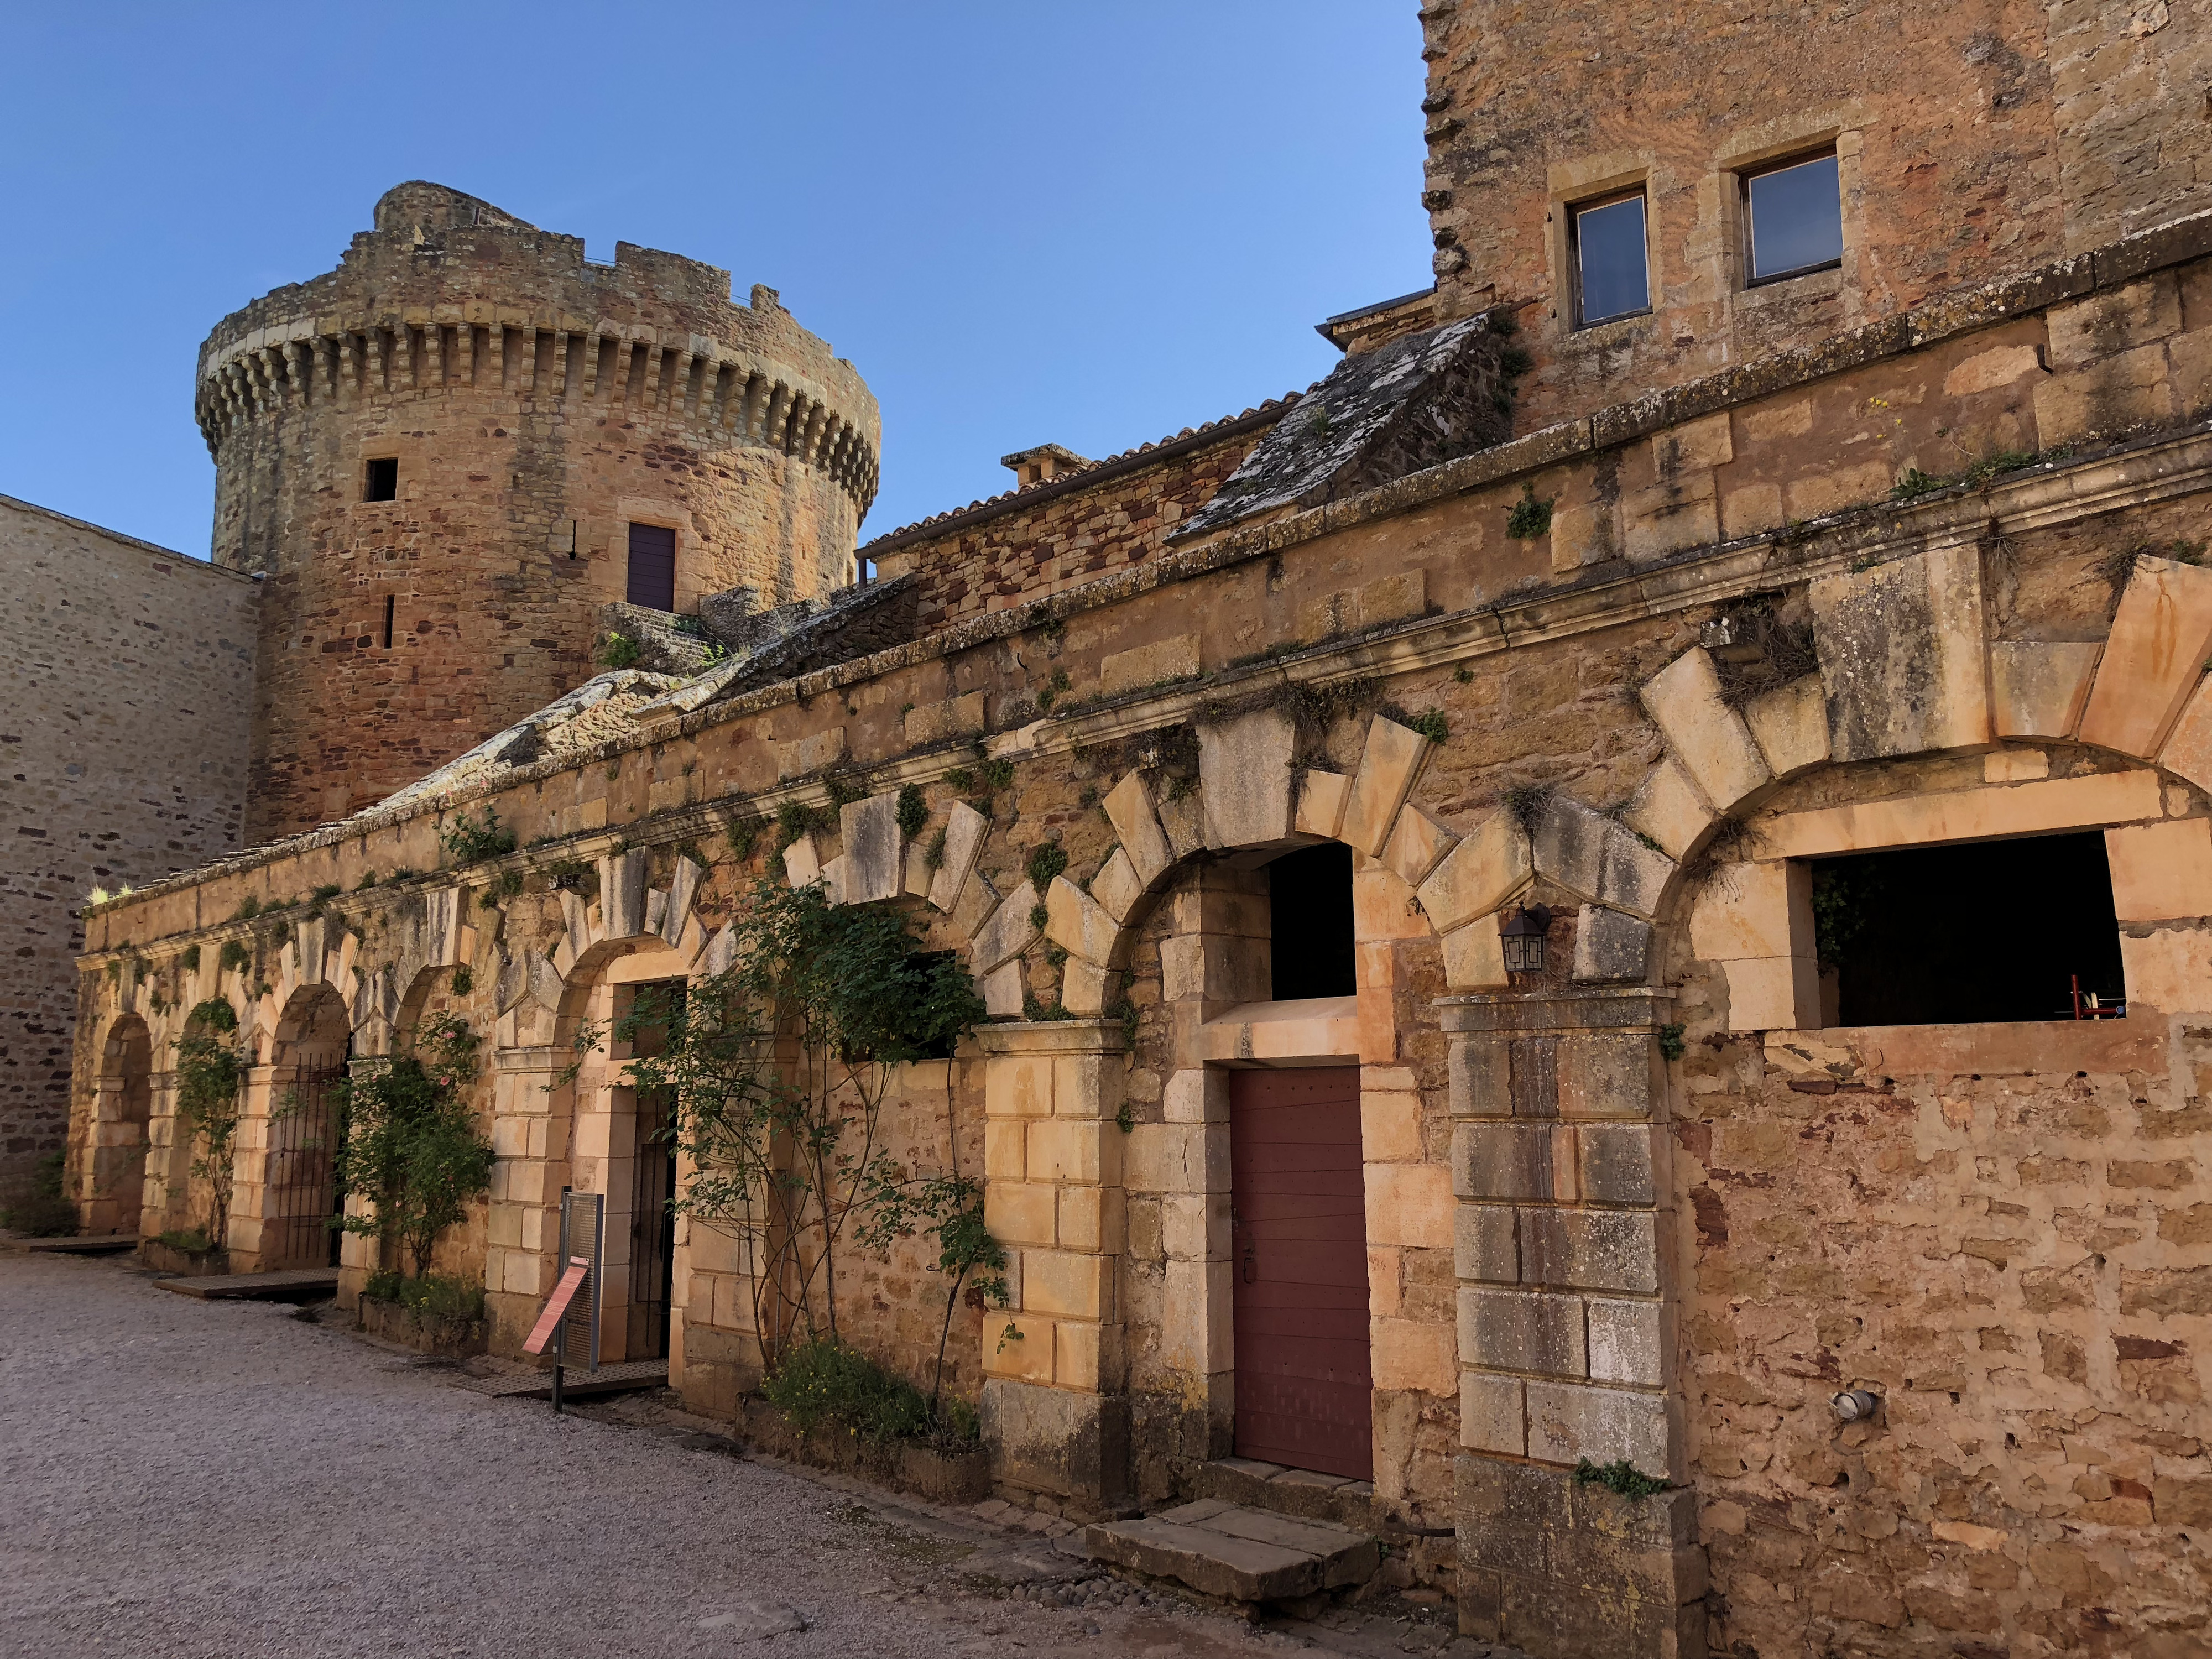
{"x": 1980, "y": 931}
{"x": 382, "y": 482}
{"x": 653, "y": 567}
{"x": 1309, "y": 923}
{"x": 391, "y": 605}
{"x": 1613, "y": 274}
{"x": 1793, "y": 219}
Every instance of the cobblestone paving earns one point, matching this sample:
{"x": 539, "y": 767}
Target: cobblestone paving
{"x": 184, "y": 1478}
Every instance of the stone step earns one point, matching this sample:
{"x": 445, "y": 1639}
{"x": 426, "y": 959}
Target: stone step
{"x": 77, "y": 1244}
{"x": 1299, "y": 1492}
{"x": 1236, "y": 1553}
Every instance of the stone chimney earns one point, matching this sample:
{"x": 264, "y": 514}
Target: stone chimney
{"x": 1033, "y": 466}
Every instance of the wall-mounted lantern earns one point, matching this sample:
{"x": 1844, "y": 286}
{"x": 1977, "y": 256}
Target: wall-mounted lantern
{"x": 1521, "y": 937}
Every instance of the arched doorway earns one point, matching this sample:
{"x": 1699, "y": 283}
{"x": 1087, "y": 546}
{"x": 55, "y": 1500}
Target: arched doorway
{"x": 306, "y": 1128}
{"x": 127, "y": 1105}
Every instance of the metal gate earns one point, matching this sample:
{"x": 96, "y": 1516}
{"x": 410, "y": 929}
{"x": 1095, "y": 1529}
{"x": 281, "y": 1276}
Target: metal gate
{"x": 304, "y": 1131}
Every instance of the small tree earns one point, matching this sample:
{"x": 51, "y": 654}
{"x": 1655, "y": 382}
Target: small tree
{"x": 412, "y": 1148}
{"x": 776, "y": 1070}
{"x": 951, "y": 1207}
{"x": 211, "y": 1062}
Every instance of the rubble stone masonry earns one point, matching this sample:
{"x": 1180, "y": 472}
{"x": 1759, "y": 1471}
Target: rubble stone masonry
{"x": 123, "y": 714}
{"x": 536, "y": 404}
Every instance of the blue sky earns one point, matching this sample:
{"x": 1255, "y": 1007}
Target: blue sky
{"x": 1091, "y": 224}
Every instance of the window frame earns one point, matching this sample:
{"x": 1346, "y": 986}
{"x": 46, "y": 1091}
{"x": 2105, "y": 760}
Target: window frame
{"x": 675, "y": 560}
{"x": 1573, "y": 212}
{"x": 368, "y": 464}
{"x": 1829, "y": 151}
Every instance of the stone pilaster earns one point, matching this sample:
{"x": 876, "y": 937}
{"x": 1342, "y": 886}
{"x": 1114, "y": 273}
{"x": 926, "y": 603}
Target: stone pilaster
{"x": 1055, "y": 1412}
{"x": 523, "y": 1222}
{"x": 1567, "y": 1334}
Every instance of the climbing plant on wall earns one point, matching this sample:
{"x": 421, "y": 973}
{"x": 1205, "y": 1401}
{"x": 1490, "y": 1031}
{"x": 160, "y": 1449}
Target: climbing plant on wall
{"x": 211, "y": 1062}
{"x": 776, "y": 1070}
{"x": 412, "y": 1148}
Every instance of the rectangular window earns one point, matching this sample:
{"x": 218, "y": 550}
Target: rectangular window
{"x": 1612, "y": 275}
{"x": 1793, "y": 219}
{"x": 653, "y": 567}
{"x": 1971, "y": 932}
{"x": 381, "y": 483}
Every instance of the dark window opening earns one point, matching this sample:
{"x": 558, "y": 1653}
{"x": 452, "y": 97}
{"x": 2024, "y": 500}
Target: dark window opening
{"x": 382, "y": 482}
{"x": 1983, "y": 932}
{"x": 1612, "y": 275}
{"x": 1309, "y": 921}
{"x": 653, "y": 567}
{"x": 653, "y": 1173}
{"x": 391, "y": 605}
{"x": 1793, "y": 219}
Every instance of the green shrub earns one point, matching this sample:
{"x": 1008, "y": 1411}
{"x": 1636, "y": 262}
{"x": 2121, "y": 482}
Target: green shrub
{"x": 826, "y": 1382}
{"x": 912, "y": 811}
{"x": 44, "y": 1214}
{"x": 1045, "y": 863}
{"x": 471, "y": 840}
{"x": 434, "y": 1296}
{"x": 1621, "y": 1477}
{"x": 1531, "y": 517}
{"x": 619, "y": 650}
{"x": 234, "y": 954}
{"x": 190, "y": 1240}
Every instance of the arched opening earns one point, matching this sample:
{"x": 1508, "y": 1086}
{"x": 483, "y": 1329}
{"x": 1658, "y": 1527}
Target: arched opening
{"x": 126, "y": 1109}
{"x": 306, "y": 1128}
{"x": 653, "y": 1178}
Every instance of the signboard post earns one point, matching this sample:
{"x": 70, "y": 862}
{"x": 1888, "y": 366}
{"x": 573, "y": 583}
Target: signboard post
{"x": 571, "y": 1319}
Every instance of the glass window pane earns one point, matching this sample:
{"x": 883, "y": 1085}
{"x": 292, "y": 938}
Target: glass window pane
{"x": 1796, "y": 218}
{"x": 1610, "y": 243}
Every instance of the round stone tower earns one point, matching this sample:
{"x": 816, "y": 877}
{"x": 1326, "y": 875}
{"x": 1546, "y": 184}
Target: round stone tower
{"x": 449, "y": 453}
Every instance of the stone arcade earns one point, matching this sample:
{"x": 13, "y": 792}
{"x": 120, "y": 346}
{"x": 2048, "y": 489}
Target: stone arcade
{"x": 1883, "y": 559}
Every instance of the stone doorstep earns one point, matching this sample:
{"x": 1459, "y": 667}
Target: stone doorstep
{"x": 1301, "y": 1493}
{"x": 1238, "y": 1553}
{"x": 290, "y": 1285}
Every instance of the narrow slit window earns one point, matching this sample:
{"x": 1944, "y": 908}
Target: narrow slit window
{"x": 1981, "y": 932}
{"x": 391, "y": 607}
{"x": 381, "y": 483}
{"x": 653, "y": 567}
{"x": 1612, "y": 270}
{"x": 1793, "y": 219}
{"x": 1310, "y": 924}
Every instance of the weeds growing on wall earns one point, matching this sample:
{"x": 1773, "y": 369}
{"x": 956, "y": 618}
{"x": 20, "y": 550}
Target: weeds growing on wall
{"x": 912, "y": 811}
{"x": 471, "y": 840}
{"x": 211, "y": 1062}
{"x": 411, "y": 1146}
{"x": 619, "y": 650}
{"x": 1620, "y": 1477}
{"x": 824, "y": 1381}
{"x": 433, "y": 1296}
{"x": 1531, "y": 517}
{"x": 775, "y": 1072}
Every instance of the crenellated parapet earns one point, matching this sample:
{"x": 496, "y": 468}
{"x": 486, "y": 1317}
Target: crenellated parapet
{"x": 715, "y": 393}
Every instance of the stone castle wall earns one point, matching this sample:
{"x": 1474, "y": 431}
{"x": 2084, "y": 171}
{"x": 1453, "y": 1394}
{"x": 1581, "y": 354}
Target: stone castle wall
{"x": 536, "y": 405}
{"x": 123, "y": 743}
{"x": 1047, "y": 538}
{"x": 1974, "y": 143}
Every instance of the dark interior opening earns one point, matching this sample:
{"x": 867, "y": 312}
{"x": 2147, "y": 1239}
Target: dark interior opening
{"x": 1982, "y": 932}
{"x": 1310, "y": 918}
{"x": 382, "y": 484}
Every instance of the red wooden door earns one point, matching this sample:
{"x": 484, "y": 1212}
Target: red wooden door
{"x": 1304, "y": 1390}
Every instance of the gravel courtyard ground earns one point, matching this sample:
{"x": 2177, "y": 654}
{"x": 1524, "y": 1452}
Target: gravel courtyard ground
{"x": 184, "y": 1478}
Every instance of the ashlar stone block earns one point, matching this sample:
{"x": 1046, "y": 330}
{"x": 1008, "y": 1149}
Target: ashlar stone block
{"x": 2161, "y": 872}
{"x": 1590, "y": 1249}
{"x": 1668, "y": 807}
{"x": 1322, "y": 796}
{"x": 1569, "y": 1421}
{"x": 1416, "y": 845}
{"x": 1129, "y": 805}
{"x": 2154, "y": 659}
{"x": 2188, "y": 752}
{"x": 1387, "y": 767}
{"x": 965, "y": 830}
{"x": 2039, "y": 688}
{"x": 1474, "y": 958}
{"x": 1610, "y": 946}
{"x": 1522, "y": 1330}
{"x": 1079, "y": 924}
{"x": 871, "y": 834}
{"x": 1903, "y": 656}
{"x": 1625, "y": 1343}
{"x": 1117, "y": 887}
{"x": 978, "y": 899}
{"x": 1244, "y": 776}
{"x": 1702, "y": 732}
{"x": 1009, "y": 930}
{"x": 1486, "y": 1244}
{"x": 1477, "y": 874}
{"x": 1493, "y": 1414}
{"x": 1790, "y": 727}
